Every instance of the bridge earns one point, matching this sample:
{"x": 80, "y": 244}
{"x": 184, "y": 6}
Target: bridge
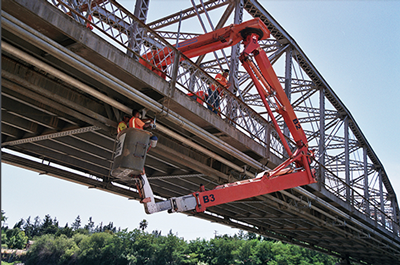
{"x": 71, "y": 70}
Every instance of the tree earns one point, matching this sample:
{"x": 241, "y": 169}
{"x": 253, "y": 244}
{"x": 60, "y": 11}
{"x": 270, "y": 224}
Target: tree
{"x": 77, "y": 224}
{"x": 156, "y": 233}
{"x": 19, "y": 224}
{"x": 4, "y": 228}
{"x": 101, "y": 248}
{"x": 67, "y": 231}
{"x": 28, "y": 228}
{"x": 49, "y": 249}
{"x": 104, "y": 245}
{"x": 47, "y": 222}
{"x": 49, "y": 226}
{"x": 3, "y": 219}
{"x": 140, "y": 247}
{"x": 16, "y": 238}
{"x": 143, "y": 224}
{"x": 4, "y": 240}
{"x": 55, "y": 222}
{"x": 99, "y": 228}
{"x": 36, "y": 227}
{"x": 90, "y": 225}
{"x": 110, "y": 227}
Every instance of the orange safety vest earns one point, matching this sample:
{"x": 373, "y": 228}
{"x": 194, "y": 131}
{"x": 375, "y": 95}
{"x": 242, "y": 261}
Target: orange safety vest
{"x": 136, "y": 123}
{"x": 221, "y": 80}
{"x": 201, "y": 96}
{"x": 88, "y": 24}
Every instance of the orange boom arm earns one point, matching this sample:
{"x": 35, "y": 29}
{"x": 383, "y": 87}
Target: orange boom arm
{"x": 268, "y": 86}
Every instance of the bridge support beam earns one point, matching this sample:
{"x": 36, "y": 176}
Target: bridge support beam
{"x": 383, "y": 220}
{"x": 366, "y": 192}
{"x": 235, "y": 53}
{"x": 347, "y": 158}
{"x": 321, "y": 146}
{"x": 134, "y": 34}
{"x": 141, "y": 9}
{"x": 51, "y": 136}
{"x": 395, "y": 219}
{"x": 288, "y": 81}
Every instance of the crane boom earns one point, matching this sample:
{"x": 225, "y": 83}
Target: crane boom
{"x": 268, "y": 86}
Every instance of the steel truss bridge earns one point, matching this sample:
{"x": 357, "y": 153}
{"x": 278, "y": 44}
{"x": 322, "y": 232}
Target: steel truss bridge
{"x": 70, "y": 71}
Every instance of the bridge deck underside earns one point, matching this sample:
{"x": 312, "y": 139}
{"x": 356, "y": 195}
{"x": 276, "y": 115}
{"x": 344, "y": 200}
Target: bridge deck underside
{"x": 36, "y": 103}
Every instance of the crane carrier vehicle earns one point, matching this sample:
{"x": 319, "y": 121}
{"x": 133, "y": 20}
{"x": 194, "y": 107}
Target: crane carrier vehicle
{"x": 295, "y": 171}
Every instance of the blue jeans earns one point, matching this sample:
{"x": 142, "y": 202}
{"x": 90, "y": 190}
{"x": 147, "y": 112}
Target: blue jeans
{"x": 213, "y": 100}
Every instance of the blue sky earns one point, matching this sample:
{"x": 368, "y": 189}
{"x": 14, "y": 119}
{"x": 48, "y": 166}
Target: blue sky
{"x": 355, "y": 45}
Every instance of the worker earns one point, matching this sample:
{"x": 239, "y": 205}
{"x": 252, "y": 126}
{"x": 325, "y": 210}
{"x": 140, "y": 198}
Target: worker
{"x": 123, "y": 124}
{"x": 214, "y": 91}
{"x": 136, "y": 122}
{"x": 199, "y": 96}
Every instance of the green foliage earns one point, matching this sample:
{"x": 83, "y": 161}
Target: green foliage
{"x": 4, "y": 239}
{"x": 138, "y": 247}
{"x": 90, "y": 226}
{"x": 3, "y": 217}
{"x": 143, "y": 224}
{"x": 77, "y": 224}
{"x": 101, "y": 248}
{"x": 49, "y": 249}
{"x": 10, "y": 263}
{"x": 14, "y": 238}
{"x": 103, "y": 244}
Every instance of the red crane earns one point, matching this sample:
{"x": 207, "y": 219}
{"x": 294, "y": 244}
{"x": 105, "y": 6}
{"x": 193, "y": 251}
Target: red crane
{"x": 267, "y": 84}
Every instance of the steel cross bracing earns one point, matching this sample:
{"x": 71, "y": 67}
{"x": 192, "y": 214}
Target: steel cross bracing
{"x": 347, "y": 165}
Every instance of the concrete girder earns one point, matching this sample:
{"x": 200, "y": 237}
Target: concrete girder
{"x": 60, "y": 158}
{"x": 44, "y": 85}
{"x": 19, "y": 123}
{"x": 10, "y": 131}
{"x": 30, "y": 114}
{"x": 64, "y": 113}
{"x": 72, "y": 151}
{"x": 96, "y": 140}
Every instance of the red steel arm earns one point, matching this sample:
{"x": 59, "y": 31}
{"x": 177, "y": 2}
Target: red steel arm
{"x": 267, "y": 85}
{"x": 206, "y": 43}
{"x": 269, "y": 88}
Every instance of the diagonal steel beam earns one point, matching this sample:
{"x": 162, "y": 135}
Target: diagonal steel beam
{"x": 51, "y": 136}
{"x": 187, "y": 13}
